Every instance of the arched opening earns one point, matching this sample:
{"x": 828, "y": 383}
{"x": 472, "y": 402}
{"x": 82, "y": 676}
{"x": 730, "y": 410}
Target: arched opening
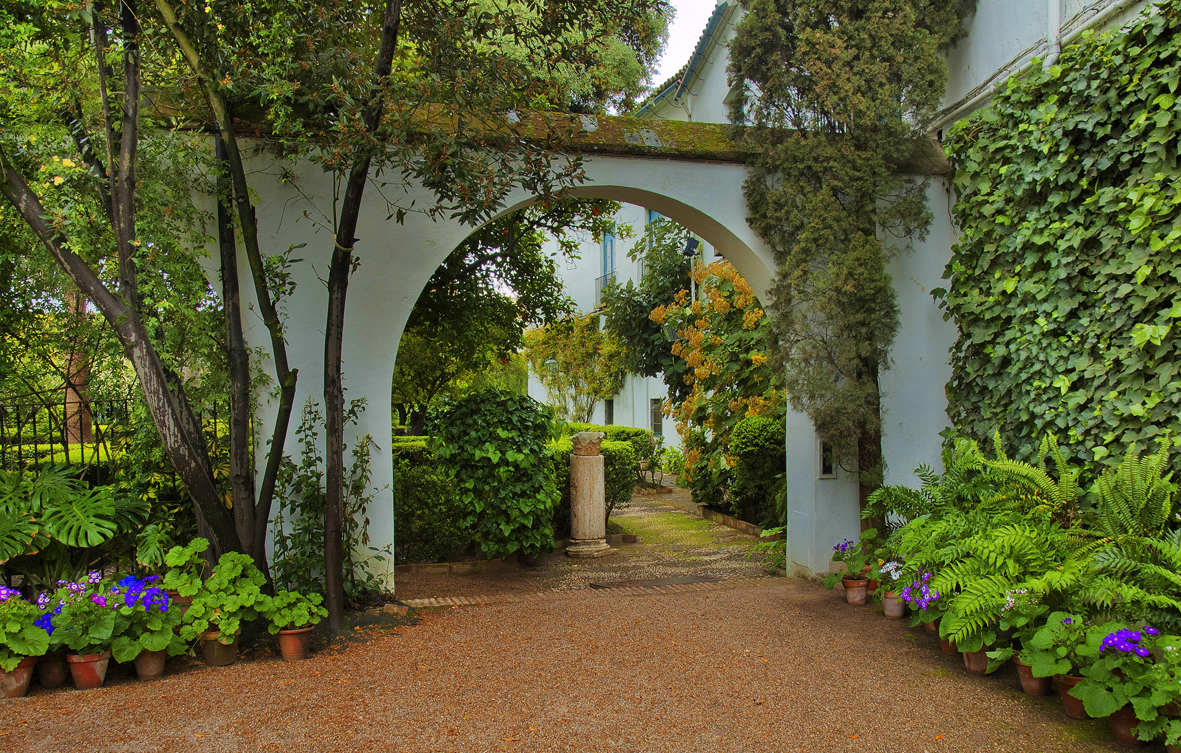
{"x": 626, "y": 410}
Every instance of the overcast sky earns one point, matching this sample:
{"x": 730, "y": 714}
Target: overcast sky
{"x": 686, "y": 29}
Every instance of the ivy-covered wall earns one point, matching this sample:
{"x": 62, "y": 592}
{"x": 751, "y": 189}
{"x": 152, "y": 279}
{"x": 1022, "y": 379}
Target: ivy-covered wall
{"x": 1066, "y": 284}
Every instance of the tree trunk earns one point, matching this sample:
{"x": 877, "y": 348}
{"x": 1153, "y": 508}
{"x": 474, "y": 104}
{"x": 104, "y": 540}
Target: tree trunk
{"x": 338, "y": 284}
{"x": 247, "y": 222}
{"x": 241, "y": 463}
{"x": 79, "y": 428}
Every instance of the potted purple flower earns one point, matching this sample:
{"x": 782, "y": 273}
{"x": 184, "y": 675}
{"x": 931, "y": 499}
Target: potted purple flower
{"x": 855, "y": 555}
{"x": 84, "y": 621}
{"x": 1120, "y": 682}
{"x": 144, "y": 626}
{"x": 21, "y": 642}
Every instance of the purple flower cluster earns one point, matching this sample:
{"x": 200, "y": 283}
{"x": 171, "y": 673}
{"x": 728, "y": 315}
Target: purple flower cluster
{"x": 844, "y": 547}
{"x": 1127, "y": 641}
{"x": 8, "y": 593}
{"x": 918, "y": 594}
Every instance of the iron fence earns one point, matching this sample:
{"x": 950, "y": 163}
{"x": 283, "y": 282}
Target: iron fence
{"x": 80, "y": 433}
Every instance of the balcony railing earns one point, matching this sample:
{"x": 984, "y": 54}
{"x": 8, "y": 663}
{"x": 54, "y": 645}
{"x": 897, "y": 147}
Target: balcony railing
{"x": 601, "y": 284}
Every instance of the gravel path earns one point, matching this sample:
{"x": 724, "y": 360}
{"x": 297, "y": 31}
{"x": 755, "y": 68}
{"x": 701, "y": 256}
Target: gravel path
{"x": 747, "y": 663}
{"x": 777, "y": 665}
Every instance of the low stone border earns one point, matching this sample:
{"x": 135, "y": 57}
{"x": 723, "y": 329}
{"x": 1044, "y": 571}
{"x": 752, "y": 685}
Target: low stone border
{"x": 461, "y": 568}
{"x": 729, "y": 521}
{"x": 588, "y": 593}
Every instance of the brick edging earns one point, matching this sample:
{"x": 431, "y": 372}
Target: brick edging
{"x": 585, "y": 593}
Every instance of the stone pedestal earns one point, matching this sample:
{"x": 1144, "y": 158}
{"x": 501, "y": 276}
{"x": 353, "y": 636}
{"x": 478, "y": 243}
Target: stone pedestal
{"x": 588, "y": 506}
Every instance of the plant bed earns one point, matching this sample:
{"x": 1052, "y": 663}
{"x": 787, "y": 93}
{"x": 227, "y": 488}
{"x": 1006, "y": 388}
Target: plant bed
{"x": 717, "y": 516}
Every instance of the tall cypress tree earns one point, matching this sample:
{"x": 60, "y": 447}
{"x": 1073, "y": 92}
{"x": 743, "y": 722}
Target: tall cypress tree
{"x": 835, "y": 94}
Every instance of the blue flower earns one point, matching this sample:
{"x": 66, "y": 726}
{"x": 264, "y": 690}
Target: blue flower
{"x": 45, "y": 622}
{"x": 1142, "y": 652}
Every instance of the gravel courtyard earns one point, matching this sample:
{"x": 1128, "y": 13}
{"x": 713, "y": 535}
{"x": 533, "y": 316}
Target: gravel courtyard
{"x": 744, "y": 663}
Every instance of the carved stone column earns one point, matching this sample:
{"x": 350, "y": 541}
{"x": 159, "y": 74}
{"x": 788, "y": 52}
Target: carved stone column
{"x": 588, "y": 506}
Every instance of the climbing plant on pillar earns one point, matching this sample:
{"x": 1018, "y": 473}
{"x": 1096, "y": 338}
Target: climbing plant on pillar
{"x": 834, "y": 93}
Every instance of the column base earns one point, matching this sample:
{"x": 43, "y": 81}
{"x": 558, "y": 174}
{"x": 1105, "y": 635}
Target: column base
{"x": 587, "y": 548}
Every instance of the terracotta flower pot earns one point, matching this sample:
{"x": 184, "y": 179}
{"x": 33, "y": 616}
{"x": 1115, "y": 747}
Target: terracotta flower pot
{"x": 932, "y": 627}
{"x": 948, "y": 647}
{"x": 872, "y": 585}
{"x": 976, "y": 662}
{"x": 89, "y": 670}
{"x": 218, "y": 654}
{"x": 1030, "y": 684}
{"x": 1171, "y": 749}
{"x": 1074, "y": 706}
{"x": 293, "y": 644}
{"x": 1123, "y": 726}
{"x": 856, "y": 590}
{"x": 52, "y": 670}
{"x": 149, "y": 665}
{"x": 893, "y": 605}
{"x": 15, "y": 684}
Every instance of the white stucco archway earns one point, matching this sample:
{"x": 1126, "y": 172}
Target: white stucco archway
{"x": 396, "y": 260}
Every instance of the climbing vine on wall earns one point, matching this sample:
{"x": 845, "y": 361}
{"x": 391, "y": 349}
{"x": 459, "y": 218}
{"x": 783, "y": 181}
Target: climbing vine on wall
{"x": 1066, "y": 284}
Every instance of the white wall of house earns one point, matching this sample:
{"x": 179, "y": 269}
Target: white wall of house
{"x": 582, "y": 277}
{"x": 1003, "y": 36}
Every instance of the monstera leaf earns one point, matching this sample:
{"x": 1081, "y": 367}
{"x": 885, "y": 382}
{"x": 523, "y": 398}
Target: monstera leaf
{"x": 51, "y": 488}
{"x": 17, "y": 534}
{"x": 150, "y": 545}
{"x": 130, "y": 511}
{"x": 82, "y": 519}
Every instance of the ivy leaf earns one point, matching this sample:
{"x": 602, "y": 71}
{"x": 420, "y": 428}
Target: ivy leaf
{"x": 1011, "y": 284}
{"x": 1142, "y": 334}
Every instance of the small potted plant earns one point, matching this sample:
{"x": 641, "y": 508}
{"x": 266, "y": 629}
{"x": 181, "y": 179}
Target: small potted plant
{"x": 1120, "y": 682}
{"x": 892, "y": 603}
{"x": 145, "y": 626}
{"x": 182, "y": 581}
{"x": 84, "y": 622}
{"x": 1158, "y": 707}
{"x": 293, "y": 616}
{"x": 1022, "y": 616}
{"x": 855, "y": 555}
{"x": 927, "y": 606}
{"x": 52, "y": 668}
{"x": 22, "y": 640}
{"x": 1053, "y": 651}
{"x": 231, "y": 594}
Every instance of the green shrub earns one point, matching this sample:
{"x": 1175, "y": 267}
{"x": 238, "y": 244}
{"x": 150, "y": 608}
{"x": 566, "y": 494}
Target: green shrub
{"x": 428, "y": 515}
{"x": 493, "y": 445}
{"x": 673, "y": 461}
{"x": 560, "y": 452}
{"x": 642, "y": 440}
{"x": 757, "y": 493}
{"x": 621, "y": 468}
{"x": 708, "y": 480}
